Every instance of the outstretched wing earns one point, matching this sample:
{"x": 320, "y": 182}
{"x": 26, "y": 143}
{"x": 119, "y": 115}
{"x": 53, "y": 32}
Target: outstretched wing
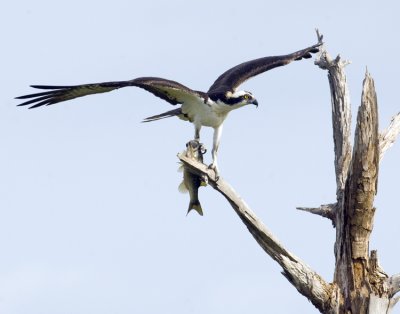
{"x": 170, "y": 91}
{"x": 231, "y": 79}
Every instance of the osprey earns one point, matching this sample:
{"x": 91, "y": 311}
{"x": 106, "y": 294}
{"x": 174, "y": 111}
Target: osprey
{"x": 200, "y": 108}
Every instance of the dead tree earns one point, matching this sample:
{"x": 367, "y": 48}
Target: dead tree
{"x": 360, "y": 285}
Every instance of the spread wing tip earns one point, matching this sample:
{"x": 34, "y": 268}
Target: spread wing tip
{"x": 38, "y": 99}
{"x": 309, "y": 51}
{"x": 235, "y": 76}
{"x": 38, "y": 104}
{"x": 34, "y": 95}
{"x": 49, "y": 87}
{"x": 52, "y": 94}
{"x": 305, "y": 56}
{"x": 315, "y": 48}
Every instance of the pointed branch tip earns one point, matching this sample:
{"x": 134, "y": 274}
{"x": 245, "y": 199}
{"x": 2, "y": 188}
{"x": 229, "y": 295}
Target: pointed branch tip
{"x": 327, "y": 211}
{"x": 320, "y": 37}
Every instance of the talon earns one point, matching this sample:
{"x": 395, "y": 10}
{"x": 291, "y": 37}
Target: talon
{"x": 202, "y": 149}
{"x": 216, "y": 172}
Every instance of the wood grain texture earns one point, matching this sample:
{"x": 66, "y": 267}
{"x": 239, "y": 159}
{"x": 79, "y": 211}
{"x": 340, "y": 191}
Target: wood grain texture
{"x": 341, "y": 114}
{"x": 389, "y": 135}
{"x": 325, "y": 210}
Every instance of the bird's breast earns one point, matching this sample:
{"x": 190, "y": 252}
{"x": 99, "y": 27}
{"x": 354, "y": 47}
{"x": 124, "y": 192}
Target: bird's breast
{"x": 209, "y": 114}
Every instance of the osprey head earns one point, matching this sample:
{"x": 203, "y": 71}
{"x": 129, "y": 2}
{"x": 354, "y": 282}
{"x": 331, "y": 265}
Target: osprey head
{"x": 239, "y": 99}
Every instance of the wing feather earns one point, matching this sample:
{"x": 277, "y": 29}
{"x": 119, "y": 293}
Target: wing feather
{"x": 56, "y": 94}
{"x": 170, "y": 91}
{"x": 231, "y": 79}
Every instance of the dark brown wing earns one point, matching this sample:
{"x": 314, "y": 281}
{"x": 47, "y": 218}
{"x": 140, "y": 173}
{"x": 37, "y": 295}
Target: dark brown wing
{"x": 170, "y": 91}
{"x": 235, "y": 76}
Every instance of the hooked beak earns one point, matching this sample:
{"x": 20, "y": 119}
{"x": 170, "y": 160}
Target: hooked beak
{"x": 255, "y": 102}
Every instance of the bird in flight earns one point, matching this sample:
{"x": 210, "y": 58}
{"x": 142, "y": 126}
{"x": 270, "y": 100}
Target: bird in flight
{"x": 200, "y": 108}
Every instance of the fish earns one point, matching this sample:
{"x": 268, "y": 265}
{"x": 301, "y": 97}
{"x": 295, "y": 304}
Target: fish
{"x": 191, "y": 181}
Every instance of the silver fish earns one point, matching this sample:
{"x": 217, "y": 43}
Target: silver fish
{"x": 191, "y": 182}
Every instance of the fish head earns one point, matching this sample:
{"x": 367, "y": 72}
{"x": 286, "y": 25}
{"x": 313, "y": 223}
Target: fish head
{"x": 195, "y": 150}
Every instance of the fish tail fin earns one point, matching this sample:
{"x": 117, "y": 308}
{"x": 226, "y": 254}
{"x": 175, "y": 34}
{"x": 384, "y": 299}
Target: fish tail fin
{"x": 196, "y": 206}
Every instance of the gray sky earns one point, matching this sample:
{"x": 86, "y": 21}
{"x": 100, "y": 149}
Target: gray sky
{"x": 91, "y": 220}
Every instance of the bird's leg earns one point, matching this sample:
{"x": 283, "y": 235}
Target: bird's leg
{"x": 214, "y": 152}
{"x": 197, "y": 129}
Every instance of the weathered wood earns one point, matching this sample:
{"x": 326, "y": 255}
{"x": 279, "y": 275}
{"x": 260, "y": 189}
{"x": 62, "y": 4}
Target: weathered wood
{"x": 386, "y": 140}
{"x": 300, "y": 275}
{"x": 361, "y": 281}
{"x": 394, "y": 284}
{"x": 341, "y": 114}
{"x": 363, "y": 178}
{"x": 393, "y": 302}
{"x": 326, "y": 210}
{"x": 389, "y": 135}
{"x": 355, "y": 222}
{"x": 378, "y": 304}
{"x": 379, "y": 298}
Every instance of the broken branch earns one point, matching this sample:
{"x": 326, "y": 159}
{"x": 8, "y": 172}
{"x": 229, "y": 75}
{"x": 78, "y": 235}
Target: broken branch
{"x": 327, "y": 211}
{"x": 389, "y": 135}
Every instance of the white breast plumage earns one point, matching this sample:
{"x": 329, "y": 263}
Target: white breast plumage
{"x": 211, "y": 114}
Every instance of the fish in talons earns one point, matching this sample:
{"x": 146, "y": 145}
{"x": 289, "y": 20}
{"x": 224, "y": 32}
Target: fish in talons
{"x": 191, "y": 181}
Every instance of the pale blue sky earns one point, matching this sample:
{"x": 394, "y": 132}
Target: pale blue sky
{"x": 91, "y": 220}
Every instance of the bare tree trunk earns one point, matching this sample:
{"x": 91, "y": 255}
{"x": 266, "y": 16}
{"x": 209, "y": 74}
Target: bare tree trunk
{"x": 354, "y": 216}
{"x": 360, "y": 285}
{"x": 361, "y": 282}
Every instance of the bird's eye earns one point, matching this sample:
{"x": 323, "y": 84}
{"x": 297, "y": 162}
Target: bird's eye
{"x": 246, "y": 97}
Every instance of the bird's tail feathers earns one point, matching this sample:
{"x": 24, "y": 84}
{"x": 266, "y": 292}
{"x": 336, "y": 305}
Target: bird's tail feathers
{"x": 168, "y": 114}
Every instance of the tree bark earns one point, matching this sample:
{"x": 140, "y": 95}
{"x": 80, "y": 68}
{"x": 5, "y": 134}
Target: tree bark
{"x": 361, "y": 281}
{"x": 354, "y": 219}
{"x": 388, "y": 137}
